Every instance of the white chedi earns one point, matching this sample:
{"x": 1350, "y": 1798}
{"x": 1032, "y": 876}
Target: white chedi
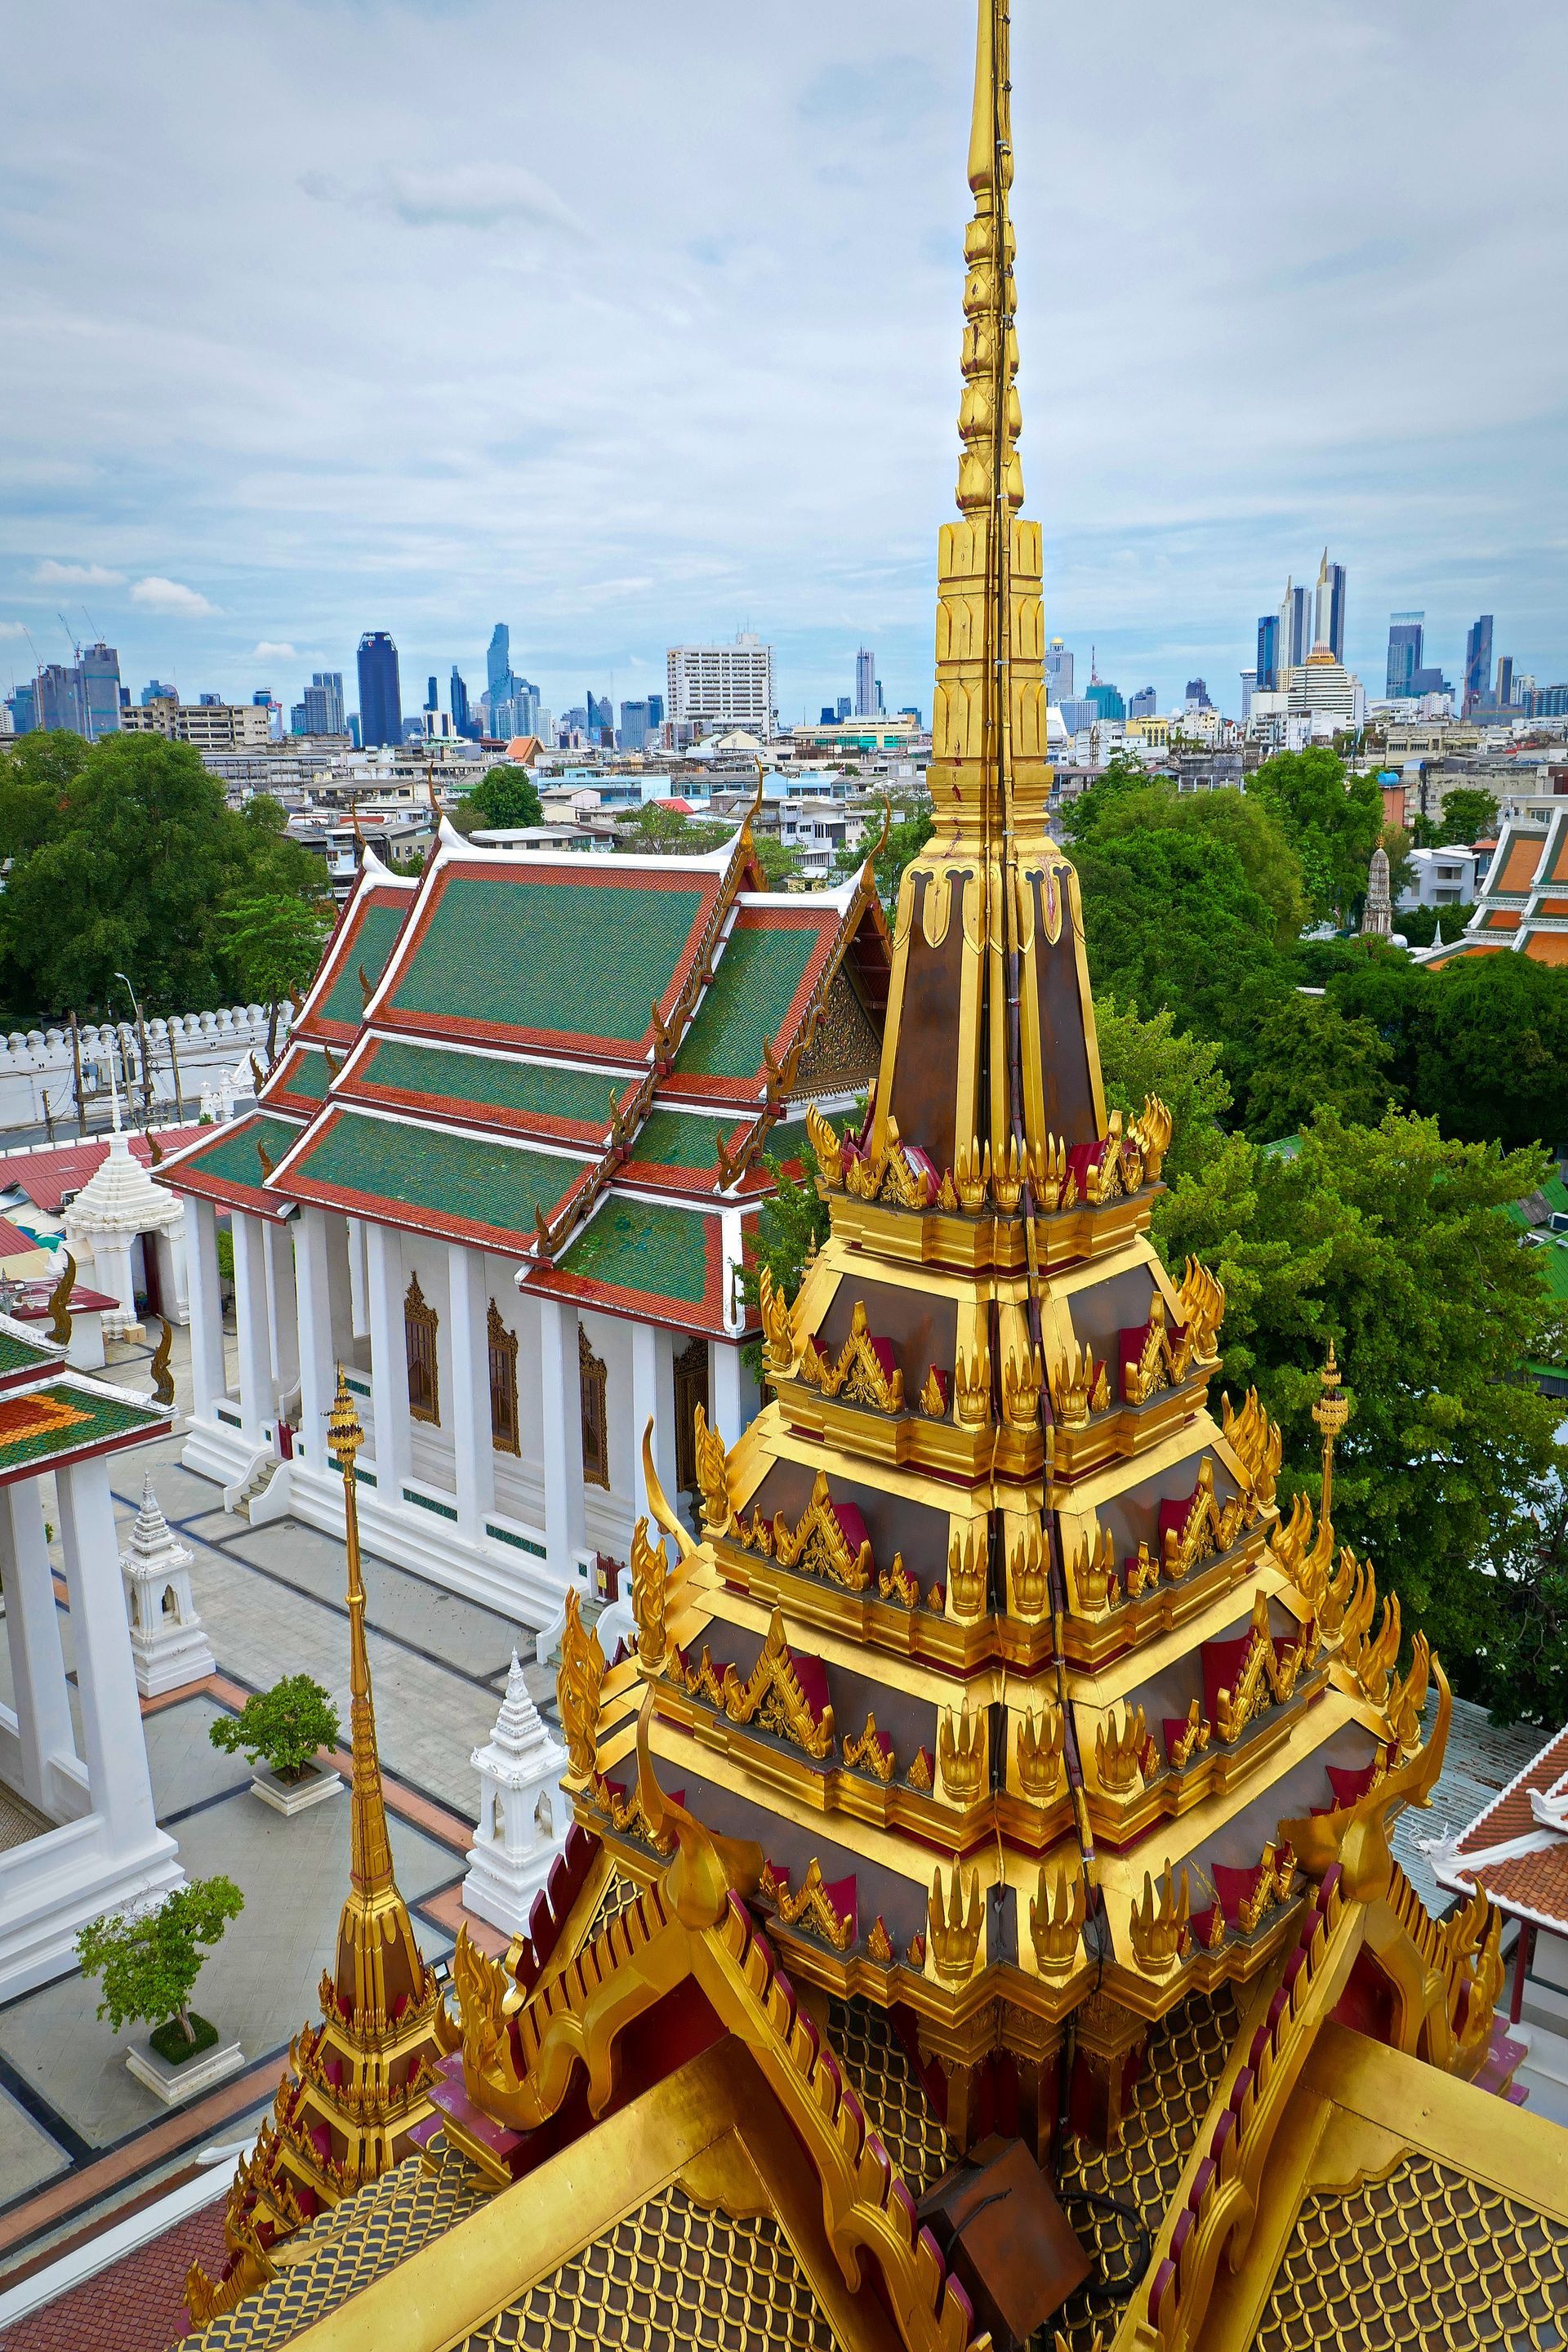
{"x": 523, "y": 1817}
{"x": 118, "y": 1204}
{"x": 168, "y": 1640}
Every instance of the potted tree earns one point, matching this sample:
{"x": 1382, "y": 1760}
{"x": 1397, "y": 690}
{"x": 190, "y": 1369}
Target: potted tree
{"x": 149, "y": 1962}
{"x": 282, "y": 1732}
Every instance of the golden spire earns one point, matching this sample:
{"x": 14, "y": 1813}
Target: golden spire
{"x": 1330, "y": 1412}
{"x": 379, "y": 1964}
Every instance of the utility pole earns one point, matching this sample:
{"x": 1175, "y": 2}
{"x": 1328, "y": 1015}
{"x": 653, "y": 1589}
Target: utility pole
{"x": 174, "y": 1072}
{"x": 76, "y": 1067}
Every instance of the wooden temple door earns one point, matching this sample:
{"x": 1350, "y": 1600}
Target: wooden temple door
{"x": 690, "y": 1391}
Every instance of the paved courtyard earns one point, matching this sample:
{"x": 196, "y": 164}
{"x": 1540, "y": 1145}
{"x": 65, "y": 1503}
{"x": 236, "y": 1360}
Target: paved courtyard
{"x": 79, "y": 2135}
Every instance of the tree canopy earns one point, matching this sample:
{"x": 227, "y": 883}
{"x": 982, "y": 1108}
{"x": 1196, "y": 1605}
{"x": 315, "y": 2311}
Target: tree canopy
{"x": 1332, "y": 820}
{"x": 1469, "y": 814}
{"x": 150, "y": 1960}
{"x": 1480, "y": 1045}
{"x": 504, "y": 798}
{"x": 124, "y": 858}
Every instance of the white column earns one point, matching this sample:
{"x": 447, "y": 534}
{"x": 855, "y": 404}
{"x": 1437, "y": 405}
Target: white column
{"x": 359, "y": 1277}
{"x": 257, "y": 1401}
{"x": 33, "y": 1633}
{"x": 733, "y": 1392}
{"x": 170, "y": 1244}
{"x": 388, "y": 1357}
{"x": 117, "y": 1775}
{"x": 473, "y": 1451}
{"x": 560, "y": 1380}
{"x": 209, "y": 1378}
{"x": 282, "y": 1311}
{"x": 653, "y": 1394}
{"x": 318, "y": 1371}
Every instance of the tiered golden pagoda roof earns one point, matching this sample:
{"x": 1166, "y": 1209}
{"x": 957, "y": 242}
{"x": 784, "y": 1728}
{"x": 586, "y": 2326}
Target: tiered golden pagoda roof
{"x": 357, "y": 2091}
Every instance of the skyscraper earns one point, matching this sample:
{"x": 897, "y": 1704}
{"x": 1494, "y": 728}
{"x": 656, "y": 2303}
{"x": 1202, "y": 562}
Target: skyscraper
{"x": 1478, "y": 661}
{"x": 432, "y": 699}
{"x": 1197, "y": 696}
{"x": 1295, "y": 630}
{"x": 1144, "y": 703}
{"x": 865, "y": 683}
{"x": 458, "y": 697}
{"x": 1059, "y": 672}
{"x": 59, "y": 699}
{"x": 99, "y": 667}
{"x": 1329, "y": 619}
{"x": 635, "y": 725}
{"x": 497, "y": 664}
{"x": 1405, "y": 647}
{"x": 380, "y": 690}
{"x": 1504, "y": 680}
{"x": 324, "y": 703}
{"x": 156, "y": 692}
{"x": 1267, "y": 665}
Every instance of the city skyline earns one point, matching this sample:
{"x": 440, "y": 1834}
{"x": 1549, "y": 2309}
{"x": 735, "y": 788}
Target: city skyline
{"x": 197, "y": 492}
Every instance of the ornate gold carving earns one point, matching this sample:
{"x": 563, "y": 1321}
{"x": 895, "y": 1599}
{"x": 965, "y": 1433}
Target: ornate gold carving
{"x": 1201, "y": 1301}
{"x": 1192, "y": 1741}
{"x": 1154, "y": 1368}
{"x": 961, "y": 1754}
{"x": 889, "y": 1174}
{"x": 577, "y": 1683}
{"x": 1208, "y": 1529}
{"x": 966, "y": 1562}
{"x": 1021, "y": 1387}
{"x": 650, "y": 1573}
{"x": 878, "y": 1943}
{"x": 1259, "y": 1442}
{"x": 896, "y": 1583}
{"x": 1039, "y": 1750}
{"x": 1056, "y": 1918}
{"x": 954, "y": 1925}
{"x": 1008, "y": 1167}
{"x": 1277, "y": 1880}
{"x": 771, "y": 1696}
{"x": 933, "y": 1404}
{"x": 1026, "y": 1574}
{"x": 823, "y": 1137}
{"x": 971, "y": 1387}
{"x": 873, "y": 1751}
{"x": 858, "y": 1373}
{"x": 971, "y": 1175}
{"x": 1266, "y": 1677}
{"x": 813, "y": 1908}
{"x": 1407, "y": 1699}
{"x": 1054, "y": 1183}
{"x": 920, "y": 1773}
{"x": 1120, "y": 1751}
{"x": 1369, "y": 1657}
{"x": 712, "y": 1477}
{"x": 627, "y": 1815}
{"x": 163, "y": 1378}
{"x": 778, "y": 1341}
{"x": 817, "y": 1545}
{"x": 60, "y": 1302}
{"x": 1094, "y": 1574}
{"x": 1160, "y": 1933}
{"x": 1141, "y": 1575}
{"x": 1150, "y": 1132}
{"x": 1073, "y": 1385}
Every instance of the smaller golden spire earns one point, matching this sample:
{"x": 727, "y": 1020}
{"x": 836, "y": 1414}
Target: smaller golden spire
{"x": 1330, "y": 1412}
{"x": 370, "y": 1869}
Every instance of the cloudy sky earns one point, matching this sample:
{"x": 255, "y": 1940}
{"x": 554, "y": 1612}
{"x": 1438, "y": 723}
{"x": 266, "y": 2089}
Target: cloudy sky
{"x": 630, "y": 324}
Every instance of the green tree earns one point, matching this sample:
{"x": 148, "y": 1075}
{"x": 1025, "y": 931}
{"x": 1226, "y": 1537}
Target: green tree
{"x": 1396, "y": 846}
{"x": 780, "y": 866}
{"x": 1480, "y": 1045}
{"x": 1526, "y": 1651}
{"x": 791, "y": 1224}
{"x": 1307, "y": 1053}
{"x": 1390, "y": 1241}
{"x": 1332, "y": 820}
{"x": 504, "y": 798}
{"x": 1246, "y": 825}
{"x": 121, "y": 859}
{"x": 1418, "y": 925}
{"x": 149, "y": 1960}
{"x": 1139, "y": 1058}
{"x": 276, "y": 942}
{"x": 287, "y": 1726}
{"x": 665, "y": 833}
{"x": 1082, "y": 816}
{"x": 1469, "y": 814}
{"x": 907, "y": 835}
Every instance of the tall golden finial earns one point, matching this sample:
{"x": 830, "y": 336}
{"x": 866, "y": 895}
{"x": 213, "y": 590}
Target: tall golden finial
{"x": 989, "y": 417}
{"x": 370, "y": 1866}
{"x": 1330, "y": 1412}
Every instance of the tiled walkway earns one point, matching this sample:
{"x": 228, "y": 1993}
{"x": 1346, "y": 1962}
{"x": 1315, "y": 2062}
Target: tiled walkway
{"x": 79, "y": 2137}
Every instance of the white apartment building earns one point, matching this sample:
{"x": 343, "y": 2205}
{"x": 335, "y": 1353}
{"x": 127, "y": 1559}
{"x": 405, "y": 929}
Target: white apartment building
{"x": 709, "y": 687}
{"x": 209, "y": 726}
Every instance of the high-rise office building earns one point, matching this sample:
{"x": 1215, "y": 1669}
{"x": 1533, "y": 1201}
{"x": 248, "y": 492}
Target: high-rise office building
{"x": 866, "y": 698}
{"x": 60, "y": 699}
{"x": 1478, "y": 661}
{"x": 1504, "y": 680}
{"x": 655, "y": 710}
{"x": 99, "y": 667}
{"x": 601, "y": 719}
{"x": 156, "y": 692}
{"x": 300, "y": 717}
{"x": 709, "y": 687}
{"x": 497, "y": 664}
{"x": 840, "y": 710}
{"x": 1144, "y": 703}
{"x": 1406, "y": 633}
{"x": 457, "y": 695}
{"x": 637, "y": 725}
{"x": 1329, "y": 617}
{"x": 22, "y": 702}
{"x": 1059, "y": 672}
{"x": 1105, "y": 699}
{"x": 1295, "y": 630}
{"x": 323, "y": 703}
{"x": 380, "y": 690}
{"x": 432, "y": 699}
{"x": 1248, "y": 688}
{"x": 1266, "y": 671}
{"x": 1198, "y": 695}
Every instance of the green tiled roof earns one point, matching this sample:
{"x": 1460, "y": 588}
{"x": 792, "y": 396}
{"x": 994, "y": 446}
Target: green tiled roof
{"x": 458, "y": 1177}
{"x": 86, "y": 1417}
{"x": 231, "y": 1157}
{"x": 642, "y": 1246}
{"x": 1552, "y": 1262}
{"x": 21, "y": 1355}
{"x": 670, "y": 1138}
{"x": 527, "y": 1088}
{"x": 1553, "y": 1192}
{"x": 753, "y": 989}
{"x": 309, "y": 1078}
{"x": 571, "y": 958}
{"x": 370, "y": 947}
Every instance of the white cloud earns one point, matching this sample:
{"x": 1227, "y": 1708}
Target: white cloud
{"x": 160, "y": 595}
{"x": 270, "y": 649}
{"x": 50, "y": 574}
{"x": 12, "y": 629}
{"x": 450, "y": 196}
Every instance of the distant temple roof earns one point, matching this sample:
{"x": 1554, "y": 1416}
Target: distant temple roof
{"x": 1524, "y": 905}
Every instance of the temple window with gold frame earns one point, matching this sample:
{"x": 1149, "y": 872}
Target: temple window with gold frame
{"x": 420, "y": 1325}
{"x": 596, "y": 1413}
{"x": 505, "y": 1429}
